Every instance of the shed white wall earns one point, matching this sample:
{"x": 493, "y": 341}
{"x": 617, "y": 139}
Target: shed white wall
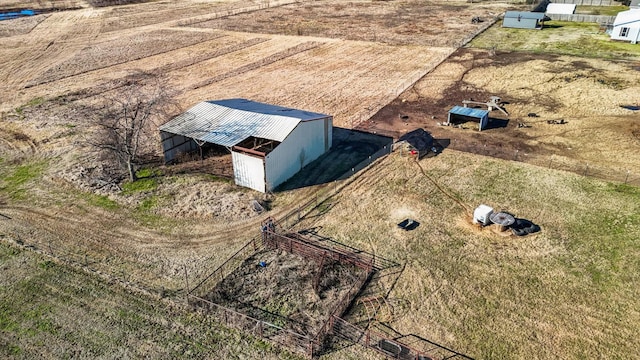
{"x": 311, "y": 138}
{"x": 248, "y": 171}
{"x": 633, "y": 35}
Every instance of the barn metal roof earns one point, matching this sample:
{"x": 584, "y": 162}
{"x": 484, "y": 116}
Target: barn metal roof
{"x": 471, "y": 112}
{"x": 229, "y": 122}
{"x": 524, "y": 15}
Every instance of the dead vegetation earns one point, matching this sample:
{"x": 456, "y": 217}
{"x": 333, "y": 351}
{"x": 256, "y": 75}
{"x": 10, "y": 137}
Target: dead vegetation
{"x": 485, "y": 296}
{"x": 283, "y": 290}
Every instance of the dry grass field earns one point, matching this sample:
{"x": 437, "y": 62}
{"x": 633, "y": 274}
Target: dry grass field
{"x": 569, "y": 292}
{"x": 583, "y": 86}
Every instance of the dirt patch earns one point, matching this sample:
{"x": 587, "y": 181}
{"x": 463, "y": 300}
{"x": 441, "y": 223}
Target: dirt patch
{"x": 20, "y": 26}
{"x": 113, "y": 52}
{"x": 396, "y": 23}
{"x": 540, "y": 90}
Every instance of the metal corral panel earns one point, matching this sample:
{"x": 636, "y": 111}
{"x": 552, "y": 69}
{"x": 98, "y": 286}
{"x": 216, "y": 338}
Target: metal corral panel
{"x": 248, "y": 171}
{"x": 228, "y": 122}
{"x": 522, "y": 19}
{"x": 564, "y": 9}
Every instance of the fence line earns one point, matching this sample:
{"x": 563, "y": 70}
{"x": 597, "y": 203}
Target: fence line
{"x": 391, "y": 347}
{"x": 622, "y": 176}
{"x": 600, "y": 19}
{"x": 230, "y": 12}
{"x": 587, "y": 2}
{"x": 419, "y": 74}
{"x": 292, "y": 340}
{"x": 292, "y": 243}
{"x": 230, "y": 265}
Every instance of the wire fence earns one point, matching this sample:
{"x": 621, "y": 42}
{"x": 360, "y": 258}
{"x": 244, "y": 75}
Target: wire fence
{"x": 587, "y": 2}
{"x": 600, "y": 19}
{"x": 557, "y": 162}
{"x": 390, "y": 346}
{"x": 262, "y": 322}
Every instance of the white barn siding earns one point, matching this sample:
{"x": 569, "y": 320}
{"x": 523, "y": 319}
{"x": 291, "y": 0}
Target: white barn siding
{"x": 248, "y": 171}
{"x": 310, "y": 138}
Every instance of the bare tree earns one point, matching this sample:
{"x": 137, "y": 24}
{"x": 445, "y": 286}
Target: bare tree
{"x": 125, "y": 120}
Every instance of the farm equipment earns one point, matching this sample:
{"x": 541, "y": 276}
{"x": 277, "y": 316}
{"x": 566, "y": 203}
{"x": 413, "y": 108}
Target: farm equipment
{"x": 494, "y": 103}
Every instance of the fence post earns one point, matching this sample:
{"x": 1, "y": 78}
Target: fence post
{"x": 627, "y": 177}
{"x": 368, "y": 337}
{"x": 186, "y": 281}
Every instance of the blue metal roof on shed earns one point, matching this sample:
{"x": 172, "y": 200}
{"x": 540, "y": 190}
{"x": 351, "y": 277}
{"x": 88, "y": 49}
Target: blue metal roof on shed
{"x": 471, "y": 112}
{"x": 524, "y": 15}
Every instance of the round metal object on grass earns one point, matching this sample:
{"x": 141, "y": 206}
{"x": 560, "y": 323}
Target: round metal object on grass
{"x": 502, "y": 219}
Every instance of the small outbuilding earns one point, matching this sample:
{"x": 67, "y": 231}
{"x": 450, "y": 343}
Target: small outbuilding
{"x": 561, "y": 9}
{"x": 523, "y": 20}
{"x": 268, "y": 143}
{"x": 626, "y": 26}
{"x": 464, "y": 114}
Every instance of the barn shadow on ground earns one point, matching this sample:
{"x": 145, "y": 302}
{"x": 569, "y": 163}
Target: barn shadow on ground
{"x": 351, "y": 151}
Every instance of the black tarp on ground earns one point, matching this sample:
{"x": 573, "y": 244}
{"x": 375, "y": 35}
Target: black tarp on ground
{"x": 420, "y": 140}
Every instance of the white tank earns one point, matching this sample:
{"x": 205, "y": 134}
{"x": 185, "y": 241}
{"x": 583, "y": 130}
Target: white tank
{"x": 481, "y": 214}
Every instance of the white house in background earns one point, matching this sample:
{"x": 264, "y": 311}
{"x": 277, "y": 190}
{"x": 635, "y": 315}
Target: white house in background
{"x": 635, "y": 4}
{"x": 562, "y": 9}
{"x": 626, "y": 26}
{"x": 268, "y": 143}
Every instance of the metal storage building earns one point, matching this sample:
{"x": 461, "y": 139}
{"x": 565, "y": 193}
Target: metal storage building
{"x": 563, "y": 9}
{"x": 626, "y": 26}
{"x": 268, "y": 143}
{"x": 466, "y": 114}
{"x": 523, "y": 20}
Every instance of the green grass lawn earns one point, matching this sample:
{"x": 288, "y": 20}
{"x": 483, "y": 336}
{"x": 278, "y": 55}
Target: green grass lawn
{"x": 569, "y": 292}
{"x": 600, "y": 10}
{"x": 558, "y": 37}
{"x": 52, "y": 311}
